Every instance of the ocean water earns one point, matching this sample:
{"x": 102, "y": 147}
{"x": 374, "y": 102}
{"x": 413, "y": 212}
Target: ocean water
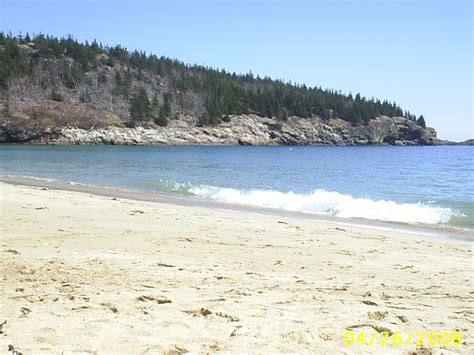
{"x": 427, "y": 185}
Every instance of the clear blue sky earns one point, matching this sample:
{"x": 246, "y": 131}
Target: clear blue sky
{"x": 417, "y": 53}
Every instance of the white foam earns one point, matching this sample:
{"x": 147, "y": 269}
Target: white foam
{"x": 329, "y": 203}
{"x": 30, "y": 178}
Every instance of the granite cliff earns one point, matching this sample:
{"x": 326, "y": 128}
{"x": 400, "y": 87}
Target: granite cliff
{"x": 240, "y": 130}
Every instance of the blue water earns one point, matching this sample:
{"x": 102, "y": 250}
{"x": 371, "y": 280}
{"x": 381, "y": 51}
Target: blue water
{"x": 433, "y": 185}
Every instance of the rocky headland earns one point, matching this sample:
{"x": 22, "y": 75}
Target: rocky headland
{"x": 60, "y": 91}
{"x": 240, "y": 130}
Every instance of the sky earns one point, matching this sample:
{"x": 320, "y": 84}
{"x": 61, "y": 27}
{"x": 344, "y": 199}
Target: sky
{"x": 417, "y": 53}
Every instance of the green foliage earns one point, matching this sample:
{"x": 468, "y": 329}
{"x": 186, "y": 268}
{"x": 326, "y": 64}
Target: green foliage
{"x": 4, "y": 76}
{"x": 12, "y": 62}
{"x": 140, "y": 108}
{"x": 226, "y": 118}
{"x": 56, "y": 95}
{"x": 166, "y": 107}
{"x": 161, "y": 119}
{"x": 206, "y": 120}
{"x": 110, "y": 62}
{"x": 123, "y": 83}
{"x": 221, "y": 92}
{"x": 164, "y": 111}
{"x": 409, "y": 116}
{"x": 421, "y": 121}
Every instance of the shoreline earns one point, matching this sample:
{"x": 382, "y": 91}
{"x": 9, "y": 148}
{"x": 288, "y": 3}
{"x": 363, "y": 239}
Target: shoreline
{"x": 243, "y": 129}
{"x": 435, "y": 231}
{"x": 98, "y": 274}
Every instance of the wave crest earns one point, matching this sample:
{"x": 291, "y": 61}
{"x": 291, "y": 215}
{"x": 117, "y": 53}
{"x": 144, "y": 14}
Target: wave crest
{"x": 329, "y": 203}
{"x": 318, "y": 202}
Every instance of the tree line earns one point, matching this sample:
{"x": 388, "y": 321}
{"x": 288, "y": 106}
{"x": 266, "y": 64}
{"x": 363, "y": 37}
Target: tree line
{"x": 223, "y": 93}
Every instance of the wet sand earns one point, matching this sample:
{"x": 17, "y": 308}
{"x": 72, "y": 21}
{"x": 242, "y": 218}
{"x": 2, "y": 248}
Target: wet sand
{"x": 83, "y": 273}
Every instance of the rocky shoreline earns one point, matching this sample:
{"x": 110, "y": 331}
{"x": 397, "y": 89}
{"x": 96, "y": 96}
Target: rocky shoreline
{"x": 241, "y": 130}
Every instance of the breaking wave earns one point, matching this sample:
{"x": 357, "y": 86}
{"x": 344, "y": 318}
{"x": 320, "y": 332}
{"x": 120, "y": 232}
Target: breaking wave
{"x": 318, "y": 202}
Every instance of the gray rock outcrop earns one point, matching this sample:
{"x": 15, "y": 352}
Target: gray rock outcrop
{"x": 241, "y": 130}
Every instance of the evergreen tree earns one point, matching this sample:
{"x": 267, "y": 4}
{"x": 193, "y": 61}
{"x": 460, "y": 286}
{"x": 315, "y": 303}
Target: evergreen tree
{"x": 421, "y": 121}
{"x": 164, "y": 112}
{"x": 162, "y": 119}
{"x": 140, "y": 108}
{"x": 166, "y": 107}
{"x": 206, "y": 91}
{"x": 154, "y": 103}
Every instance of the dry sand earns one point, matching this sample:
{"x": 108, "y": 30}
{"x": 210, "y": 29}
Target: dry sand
{"x": 90, "y": 274}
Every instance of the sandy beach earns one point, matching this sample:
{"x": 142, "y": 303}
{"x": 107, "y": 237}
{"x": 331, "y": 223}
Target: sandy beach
{"x": 88, "y": 274}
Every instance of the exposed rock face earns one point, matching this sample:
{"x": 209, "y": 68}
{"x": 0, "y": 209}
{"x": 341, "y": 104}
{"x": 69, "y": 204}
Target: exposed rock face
{"x": 241, "y": 130}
